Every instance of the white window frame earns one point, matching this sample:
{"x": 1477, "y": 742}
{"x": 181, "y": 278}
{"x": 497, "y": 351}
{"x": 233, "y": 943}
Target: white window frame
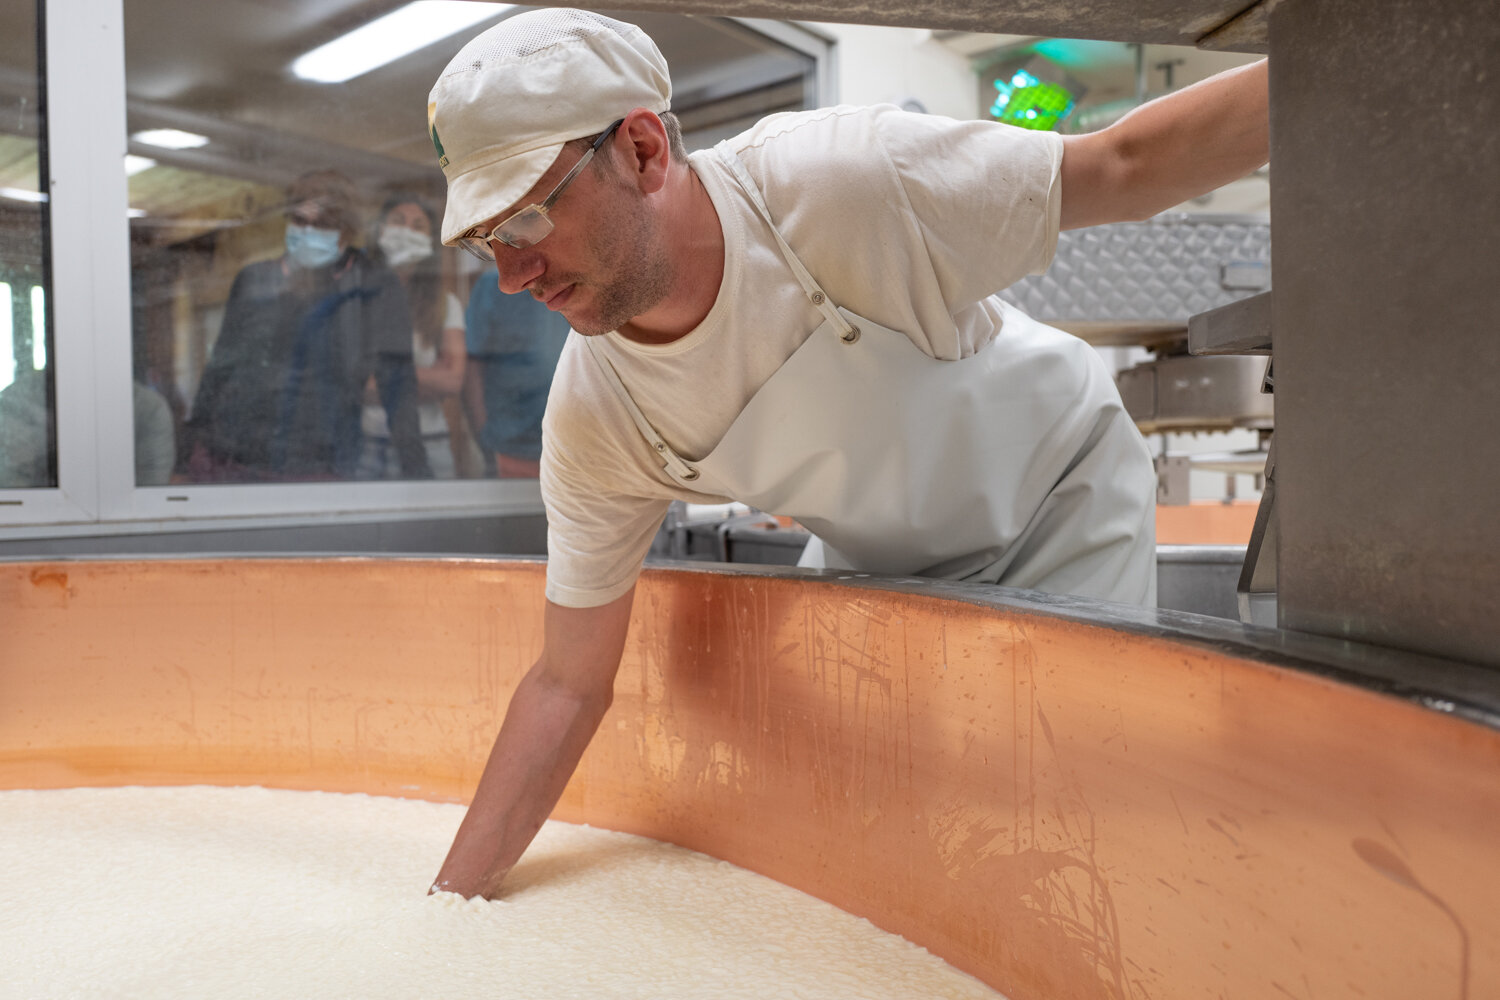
{"x": 76, "y": 497}
{"x": 91, "y": 321}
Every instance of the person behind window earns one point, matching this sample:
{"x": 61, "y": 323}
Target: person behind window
{"x": 281, "y": 395}
{"x": 25, "y": 434}
{"x": 514, "y": 342}
{"x": 403, "y": 242}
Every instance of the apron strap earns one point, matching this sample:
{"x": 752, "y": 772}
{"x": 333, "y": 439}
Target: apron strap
{"x": 672, "y": 462}
{"x": 849, "y": 333}
{"x": 810, "y": 286}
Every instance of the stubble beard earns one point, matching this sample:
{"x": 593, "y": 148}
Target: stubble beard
{"x": 634, "y": 274}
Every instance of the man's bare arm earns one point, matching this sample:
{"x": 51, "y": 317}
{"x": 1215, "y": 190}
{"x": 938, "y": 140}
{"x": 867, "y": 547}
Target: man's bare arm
{"x": 552, "y": 716}
{"x": 1169, "y": 150}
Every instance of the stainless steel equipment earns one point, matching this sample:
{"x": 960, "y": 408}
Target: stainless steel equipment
{"x": 1142, "y": 284}
{"x": 1180, "y": 392}
{"x": 1139, "y": 283}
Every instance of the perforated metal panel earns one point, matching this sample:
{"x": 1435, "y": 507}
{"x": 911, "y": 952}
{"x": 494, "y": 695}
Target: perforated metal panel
{"x": 1107, "y": 282}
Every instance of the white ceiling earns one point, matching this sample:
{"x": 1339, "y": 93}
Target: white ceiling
{"x": 223, "y": 67}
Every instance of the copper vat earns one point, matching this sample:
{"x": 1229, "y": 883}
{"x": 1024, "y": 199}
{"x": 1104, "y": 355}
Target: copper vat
{"x": 1066, "y": 800}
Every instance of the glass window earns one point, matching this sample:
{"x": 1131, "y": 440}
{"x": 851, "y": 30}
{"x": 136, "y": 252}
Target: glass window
{"x": 28, "y": 425}
{"x": 294, "y": 318}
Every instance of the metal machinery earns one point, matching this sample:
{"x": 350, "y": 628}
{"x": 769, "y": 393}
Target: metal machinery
{"x": 1139, "y": 284}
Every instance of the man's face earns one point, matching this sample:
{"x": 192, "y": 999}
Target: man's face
{"x": 603, "y": 264}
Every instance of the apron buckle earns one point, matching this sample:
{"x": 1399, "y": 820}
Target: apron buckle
{"x": 851, "y": 335}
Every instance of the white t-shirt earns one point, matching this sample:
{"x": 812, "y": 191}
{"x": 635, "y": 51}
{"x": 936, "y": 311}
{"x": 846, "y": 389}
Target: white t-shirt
{"x": 913, "y": 221}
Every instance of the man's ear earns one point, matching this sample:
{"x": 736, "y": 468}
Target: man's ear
{"x": 641, "y": 141}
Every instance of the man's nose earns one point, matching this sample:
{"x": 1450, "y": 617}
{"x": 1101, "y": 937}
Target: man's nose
{"x": 518, "y": 268}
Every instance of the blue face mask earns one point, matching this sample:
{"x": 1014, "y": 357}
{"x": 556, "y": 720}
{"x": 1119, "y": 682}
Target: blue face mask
{"x": 309, "y": 246}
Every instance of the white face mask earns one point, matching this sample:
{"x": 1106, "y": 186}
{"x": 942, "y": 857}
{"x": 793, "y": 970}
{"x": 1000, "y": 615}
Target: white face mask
{"x": 403, "y": 246}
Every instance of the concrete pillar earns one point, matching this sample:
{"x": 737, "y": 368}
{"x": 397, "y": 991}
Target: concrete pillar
{"x": 1386, "y": 218}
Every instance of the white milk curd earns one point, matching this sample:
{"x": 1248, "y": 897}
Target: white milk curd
{"x": 248, "y": 892}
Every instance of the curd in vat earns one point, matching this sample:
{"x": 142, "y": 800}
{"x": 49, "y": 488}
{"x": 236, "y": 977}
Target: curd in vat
{"x": 248, "y": 892}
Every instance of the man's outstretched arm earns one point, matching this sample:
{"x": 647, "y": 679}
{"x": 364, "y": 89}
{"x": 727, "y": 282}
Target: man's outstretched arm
{"x": 552, "y": 716}
{"x": 1169, "y": 150}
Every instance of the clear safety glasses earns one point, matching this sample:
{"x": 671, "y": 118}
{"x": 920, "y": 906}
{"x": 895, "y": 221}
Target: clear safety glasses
{"x": 531, "y": 224}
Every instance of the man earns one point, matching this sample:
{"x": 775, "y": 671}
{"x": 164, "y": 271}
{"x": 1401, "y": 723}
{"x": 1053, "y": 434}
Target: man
{"x": 802, "y": 319}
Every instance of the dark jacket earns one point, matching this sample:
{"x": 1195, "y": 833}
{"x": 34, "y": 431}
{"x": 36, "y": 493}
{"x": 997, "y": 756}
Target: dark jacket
{"x": 281, "y": 395}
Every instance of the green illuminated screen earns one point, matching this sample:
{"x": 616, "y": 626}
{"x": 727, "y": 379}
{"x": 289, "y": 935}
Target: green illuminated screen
{"x": 1030, "y": 103}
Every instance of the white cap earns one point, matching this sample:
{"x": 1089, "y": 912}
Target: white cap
{"x": 501, "y": 111}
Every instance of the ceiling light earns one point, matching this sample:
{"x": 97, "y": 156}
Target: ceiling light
{"x": 171, "y": 138}
{"x": 135, "y": 164}
{"x": 386, "y": 39}
{"x": 21, "y": 194}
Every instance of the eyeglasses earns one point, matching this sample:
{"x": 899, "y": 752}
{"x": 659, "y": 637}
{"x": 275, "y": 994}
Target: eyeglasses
{"x": 531, "y": 224}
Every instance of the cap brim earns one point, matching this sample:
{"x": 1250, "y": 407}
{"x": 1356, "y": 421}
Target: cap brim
{"x": 483, "y": 192}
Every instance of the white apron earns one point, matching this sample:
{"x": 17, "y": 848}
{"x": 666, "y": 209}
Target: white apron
{"x": 1017, "y": 465}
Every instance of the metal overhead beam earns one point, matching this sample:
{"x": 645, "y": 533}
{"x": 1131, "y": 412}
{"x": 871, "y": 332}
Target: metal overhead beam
{"x": 1166, "y": 22}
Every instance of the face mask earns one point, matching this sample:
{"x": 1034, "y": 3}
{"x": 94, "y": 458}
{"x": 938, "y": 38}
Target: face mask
{"x": 308, "y": 246}
{"x": 403, "y": 246}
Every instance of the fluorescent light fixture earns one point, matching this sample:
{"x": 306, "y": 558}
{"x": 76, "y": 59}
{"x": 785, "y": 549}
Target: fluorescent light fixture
{"x": 21, "y": 194}
{"x": 171, "y": 138}
{"x": 135, "y": 213}
{"x": 386, "y": 39}
{"x": 135, "y": 164}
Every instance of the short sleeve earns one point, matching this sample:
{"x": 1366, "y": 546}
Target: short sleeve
{"x": 986, "y": 195}
{"x": 913, "y": 221}
{"x": 597, "y": 540}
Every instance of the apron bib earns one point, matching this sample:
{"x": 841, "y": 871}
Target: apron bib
{"x": 1017, "y": 465}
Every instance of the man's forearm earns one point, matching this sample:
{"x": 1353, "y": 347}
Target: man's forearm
{"x": 1172, "y": 149}
{"x": 551, "y": 719}
{"x": 545, "y": 732}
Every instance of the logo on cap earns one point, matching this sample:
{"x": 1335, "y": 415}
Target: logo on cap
{"x": 437, "y": 143}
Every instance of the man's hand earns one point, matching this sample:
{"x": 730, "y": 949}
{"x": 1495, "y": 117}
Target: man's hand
{"x": 1161, "y": 154}
{"x": 552, "y": 716}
